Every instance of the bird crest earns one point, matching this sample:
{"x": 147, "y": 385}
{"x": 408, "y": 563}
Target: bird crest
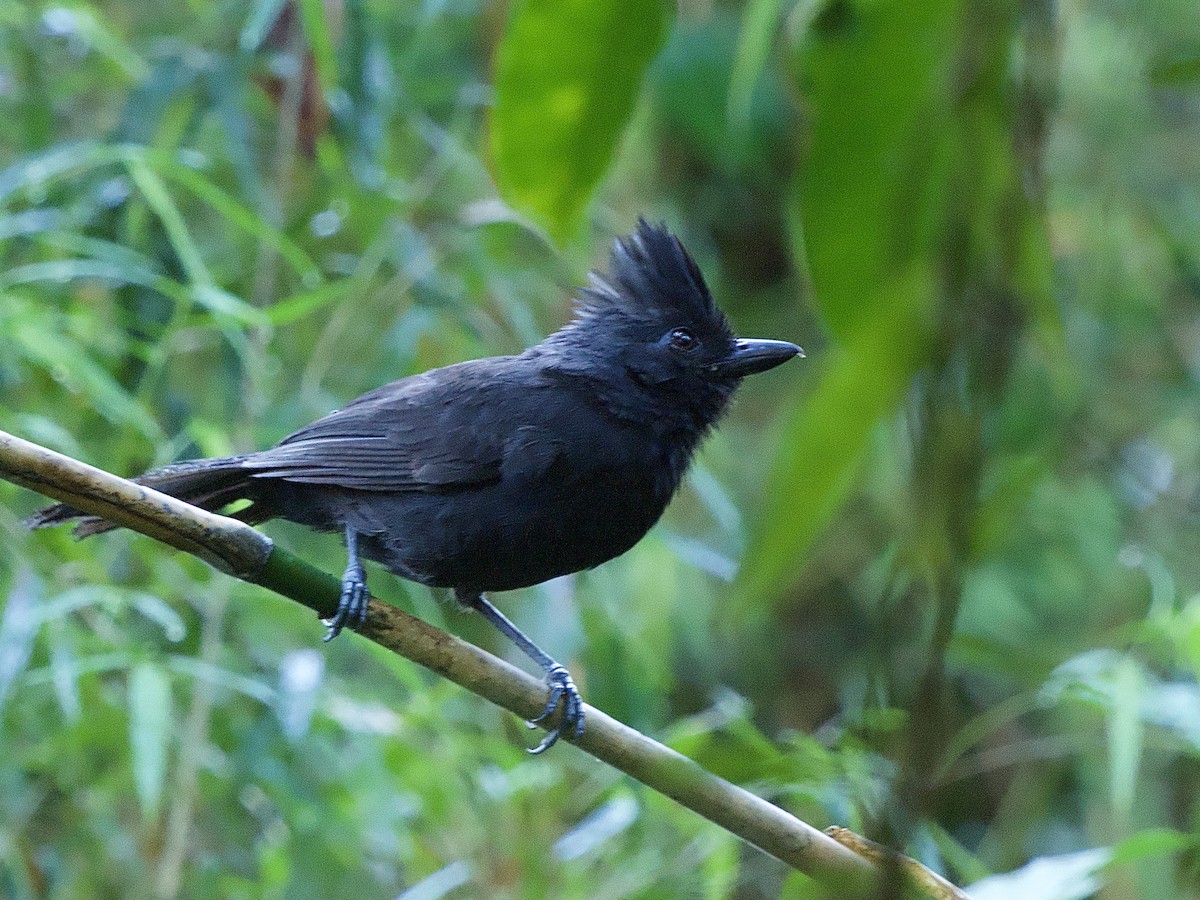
{"x": 651, "y": 276}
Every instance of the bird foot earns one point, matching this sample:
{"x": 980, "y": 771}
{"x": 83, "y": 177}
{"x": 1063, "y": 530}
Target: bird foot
{"x": 570, "y": 725}
{"x": 352, "y": 604}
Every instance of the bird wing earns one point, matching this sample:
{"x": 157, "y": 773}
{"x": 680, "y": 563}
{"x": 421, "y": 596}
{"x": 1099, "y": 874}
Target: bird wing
{"x": 435, "y": 431}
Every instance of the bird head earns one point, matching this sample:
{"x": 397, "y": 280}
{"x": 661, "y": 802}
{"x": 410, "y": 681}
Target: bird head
{"x": 653, "y": 317}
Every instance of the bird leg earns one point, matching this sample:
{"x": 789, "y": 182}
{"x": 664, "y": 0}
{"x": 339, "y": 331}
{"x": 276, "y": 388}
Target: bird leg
{"x": 562, "y": 688}
{"x": 352, "y": 604}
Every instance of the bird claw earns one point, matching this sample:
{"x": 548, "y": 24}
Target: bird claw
{"x": 570, "y": 726}
{"x": 352, "y": 605}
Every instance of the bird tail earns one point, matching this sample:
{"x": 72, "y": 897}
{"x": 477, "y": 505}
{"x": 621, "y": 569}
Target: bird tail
{"x": 207, "y": 483}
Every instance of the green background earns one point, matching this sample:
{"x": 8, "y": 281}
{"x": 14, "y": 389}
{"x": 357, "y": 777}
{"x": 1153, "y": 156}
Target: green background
{"x": 937, "y": 583}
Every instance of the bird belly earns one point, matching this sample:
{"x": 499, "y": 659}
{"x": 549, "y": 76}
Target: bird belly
{"x": 507, "y": 536}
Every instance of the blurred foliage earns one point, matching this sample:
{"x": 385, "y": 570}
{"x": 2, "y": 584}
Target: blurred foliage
{"x": 939, "y": 584}
{"x": 561, "y": 104}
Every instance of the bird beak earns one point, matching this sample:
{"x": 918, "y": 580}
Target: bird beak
{"x": 749, "y": 356}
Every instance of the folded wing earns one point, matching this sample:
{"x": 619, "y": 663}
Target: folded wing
{"x": 420, "y": 433}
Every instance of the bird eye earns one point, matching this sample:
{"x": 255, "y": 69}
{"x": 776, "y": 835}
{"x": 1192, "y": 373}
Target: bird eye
{"x": 682, "y": 339}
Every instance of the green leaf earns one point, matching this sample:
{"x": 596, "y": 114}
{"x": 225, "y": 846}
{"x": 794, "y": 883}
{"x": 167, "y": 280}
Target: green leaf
{"x": 1179, "y": 73}
{"x": 237, "y": 214}
{"x": 149, "y": 733}
{"x": 173, "y": 222}
{"x": 868, "y": 192}
{"x": 823, "y": 438}
{"x": 867, "y": 213}
{"x": 108, "y": 251}
{"x": 1150, "y": 843}
{"x": 33, "y": 173}
{"x": 297, "y": 306}
{"x": 320, "y": 41}
{"x": 567, "y": 78}
{"x": 221, "y": 302}
{"x": 61, "y": 271}
{"x": 93, "y": 30}
{"x": 70, "y": 364}
{"x": 759, "y": 24}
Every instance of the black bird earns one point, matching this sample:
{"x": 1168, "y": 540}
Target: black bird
{"x": 501, "y": 473}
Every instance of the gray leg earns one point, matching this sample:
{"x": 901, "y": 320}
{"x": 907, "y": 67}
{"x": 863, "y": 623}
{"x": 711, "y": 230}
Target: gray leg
{"x": 562, "y": 688}
{"x": 352, "y": 604}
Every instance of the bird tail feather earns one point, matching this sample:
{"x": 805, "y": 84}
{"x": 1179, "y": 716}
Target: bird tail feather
{"x": 207, "y": 483}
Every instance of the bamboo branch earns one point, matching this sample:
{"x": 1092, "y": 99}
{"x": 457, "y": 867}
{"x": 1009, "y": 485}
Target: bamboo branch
{"x": 240, "y": 550}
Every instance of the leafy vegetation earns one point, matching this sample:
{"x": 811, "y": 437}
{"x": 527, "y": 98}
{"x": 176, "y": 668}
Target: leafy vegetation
{"x": 938, "y": 584}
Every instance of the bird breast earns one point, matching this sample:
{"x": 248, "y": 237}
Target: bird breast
{"x": 552, "y": 512}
